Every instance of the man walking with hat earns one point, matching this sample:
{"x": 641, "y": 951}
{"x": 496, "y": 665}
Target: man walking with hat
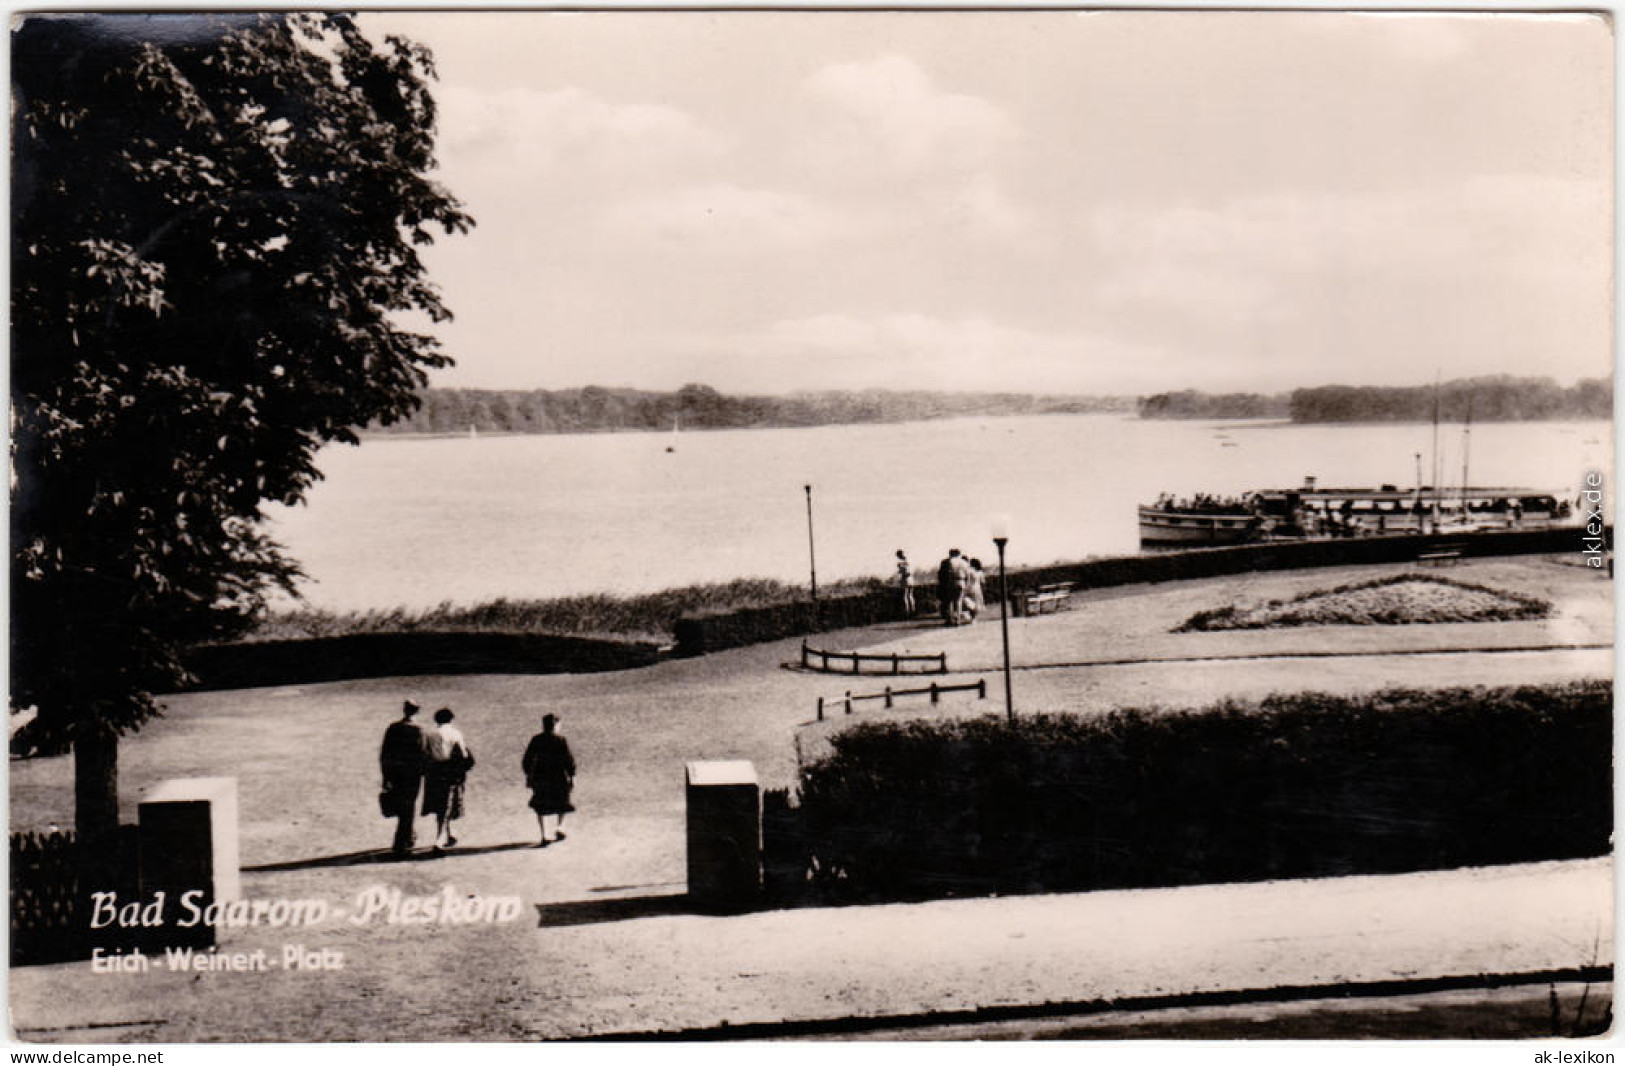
{"x": 403, "y": 759}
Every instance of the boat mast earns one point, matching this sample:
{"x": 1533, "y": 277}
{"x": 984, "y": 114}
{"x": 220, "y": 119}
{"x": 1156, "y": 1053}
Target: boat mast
{"x": 1466, "y": 439}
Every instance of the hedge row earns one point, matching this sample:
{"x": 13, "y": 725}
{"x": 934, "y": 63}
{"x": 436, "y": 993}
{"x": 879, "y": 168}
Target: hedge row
{"x": 49, "y": 919}
{"x": 701, "y": 634}
{"x": 758, "y": 625}
{"x": 1297, "y": 786}
{"x": 359, "y": 655}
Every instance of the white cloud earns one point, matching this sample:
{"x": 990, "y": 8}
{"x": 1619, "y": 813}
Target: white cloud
{"x": 1493, "y": 274}
{"x": 980, "y": 206}
{"x": 1255, "y": 254}
{"x": 535, "y": 129}
{"x": 729, "y": 217}
{"x": 889, "y": 109}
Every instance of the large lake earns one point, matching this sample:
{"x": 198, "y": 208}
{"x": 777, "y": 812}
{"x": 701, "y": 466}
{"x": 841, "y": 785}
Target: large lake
{"x": 414, "y": 522}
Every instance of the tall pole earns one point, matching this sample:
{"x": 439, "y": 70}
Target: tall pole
{"x": 812, "y": 559}
{"x": 1418, "y": 508}
{"x": 1004, "y": 626}
{"x": 1435, "y": 506}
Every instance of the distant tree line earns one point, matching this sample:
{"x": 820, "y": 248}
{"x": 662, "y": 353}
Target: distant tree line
{"x": 595, "y": 409}
{"x": 1499, "y": 398}
{"x": 1188, "y": 403}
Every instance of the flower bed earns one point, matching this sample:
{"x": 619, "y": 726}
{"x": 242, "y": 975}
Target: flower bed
{"x": 1404, "y": 599}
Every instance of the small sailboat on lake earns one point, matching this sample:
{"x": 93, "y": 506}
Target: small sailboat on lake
{"x": 676, "y": 426}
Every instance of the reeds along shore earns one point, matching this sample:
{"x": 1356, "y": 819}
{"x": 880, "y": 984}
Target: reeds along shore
{"x": 646, "y": 616}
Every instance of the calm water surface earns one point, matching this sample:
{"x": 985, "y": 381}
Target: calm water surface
{"x": 415, "y": 522}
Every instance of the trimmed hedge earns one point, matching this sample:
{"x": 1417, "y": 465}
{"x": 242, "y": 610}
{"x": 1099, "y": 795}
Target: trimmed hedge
{"x": 360, "y": 655}
{"x": 758, "y": 625}
{"x": 49, "y": 905}
{"x": 1295, "y": 786}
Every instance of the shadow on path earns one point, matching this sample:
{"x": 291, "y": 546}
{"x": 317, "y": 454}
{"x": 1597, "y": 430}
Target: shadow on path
{"x": 627, "y": 908}
{"x": 380, "y": 855}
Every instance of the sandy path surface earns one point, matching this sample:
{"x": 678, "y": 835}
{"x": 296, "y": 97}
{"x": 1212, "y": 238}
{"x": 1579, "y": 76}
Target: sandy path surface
{"x": 614, "y": 950}
{"x": 669, "y": 972}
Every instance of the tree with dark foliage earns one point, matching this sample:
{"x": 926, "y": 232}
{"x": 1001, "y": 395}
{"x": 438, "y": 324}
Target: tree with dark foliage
{"x": 215, "y": 232}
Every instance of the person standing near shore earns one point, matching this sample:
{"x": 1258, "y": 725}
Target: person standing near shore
{"x": 449, "y": 762}
{"x": 402, "y": 759}
{"x": 905, "y": 584}
{"x": 972, "y": 604}
{"x": 950, "y": 587}
{"x": 550, "y": 772}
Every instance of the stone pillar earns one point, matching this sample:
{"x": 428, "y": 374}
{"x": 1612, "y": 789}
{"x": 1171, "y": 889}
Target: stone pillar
{"x": 189, "y": 844}
{"x": 724, "y": 835}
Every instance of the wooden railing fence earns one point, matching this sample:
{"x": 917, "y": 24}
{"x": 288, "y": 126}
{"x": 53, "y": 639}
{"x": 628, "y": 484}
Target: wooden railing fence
{"x": 891, "y": 695}
{"x": 895, "y": 660}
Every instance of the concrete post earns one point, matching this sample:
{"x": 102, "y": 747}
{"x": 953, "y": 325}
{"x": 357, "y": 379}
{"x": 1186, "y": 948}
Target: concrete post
{"x": 724, "y": 835}
{"x": 188, "y": 843}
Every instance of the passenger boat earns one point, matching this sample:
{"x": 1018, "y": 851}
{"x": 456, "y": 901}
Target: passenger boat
{"x": 1311, "y": 511}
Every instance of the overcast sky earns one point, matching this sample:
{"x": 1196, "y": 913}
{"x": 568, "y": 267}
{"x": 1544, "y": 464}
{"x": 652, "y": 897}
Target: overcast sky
{"x": 1119, "y": 202}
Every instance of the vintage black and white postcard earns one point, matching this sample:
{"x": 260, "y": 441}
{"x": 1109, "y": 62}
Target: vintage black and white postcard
{"x": 926, "y": 525}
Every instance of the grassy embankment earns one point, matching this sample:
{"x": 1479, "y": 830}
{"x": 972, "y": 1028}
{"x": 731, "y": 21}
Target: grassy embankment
{"x": 647, "y": 616}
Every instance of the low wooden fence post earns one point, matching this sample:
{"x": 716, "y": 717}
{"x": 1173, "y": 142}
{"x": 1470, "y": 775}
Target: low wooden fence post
{"x": 806, "y": 661}
{"x": 890, "y": 695}
{"x": 896, "y": 663}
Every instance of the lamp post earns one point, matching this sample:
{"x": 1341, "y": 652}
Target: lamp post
{"x": 1001, "y": 537}
{"x": 812, "y": 559}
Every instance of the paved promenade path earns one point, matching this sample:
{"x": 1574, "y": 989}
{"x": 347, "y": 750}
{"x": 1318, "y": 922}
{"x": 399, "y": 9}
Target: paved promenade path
{"x": 603, "y": 943}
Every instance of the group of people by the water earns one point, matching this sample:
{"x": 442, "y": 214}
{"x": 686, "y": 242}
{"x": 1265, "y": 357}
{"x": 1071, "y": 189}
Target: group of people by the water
{"x": 1204, "y": 503}
{"x": 960, "y": 583}
{"x": 436, "y": 761}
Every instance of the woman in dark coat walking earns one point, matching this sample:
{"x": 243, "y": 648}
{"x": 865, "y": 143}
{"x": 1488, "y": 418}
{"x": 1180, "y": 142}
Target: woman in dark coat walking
{"x": 550, "y": 771}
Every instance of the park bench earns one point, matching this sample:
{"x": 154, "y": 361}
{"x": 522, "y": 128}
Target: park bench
{"x": 1047, "y": 598}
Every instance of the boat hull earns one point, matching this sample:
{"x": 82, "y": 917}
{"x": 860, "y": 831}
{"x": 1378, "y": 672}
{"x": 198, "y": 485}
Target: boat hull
{"x": 1194, "y": 528}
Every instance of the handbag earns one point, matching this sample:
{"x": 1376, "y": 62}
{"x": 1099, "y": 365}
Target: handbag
{"x": 386, "y": 805}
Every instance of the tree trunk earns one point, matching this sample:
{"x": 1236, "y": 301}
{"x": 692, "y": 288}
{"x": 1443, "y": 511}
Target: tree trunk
{"x": 95, "y": 805}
